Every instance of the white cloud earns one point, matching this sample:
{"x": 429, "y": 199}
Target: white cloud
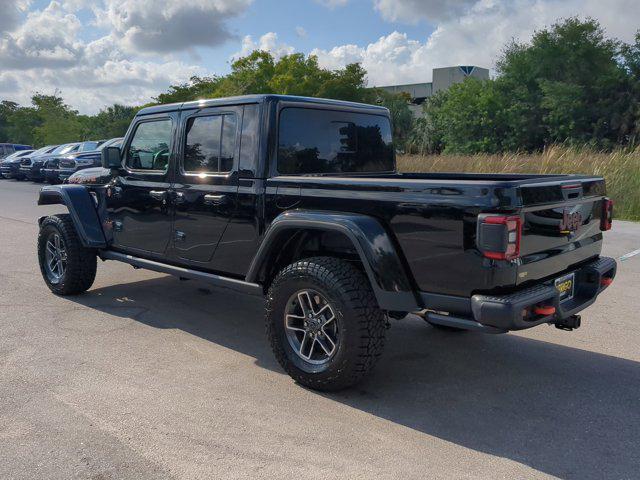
{"x": 161, "y": 26}
{"x": 267, "y": 42}
{"x": 411, "y": 11}
{"x": 301, "y": 32}
{"x": 11, "y": 10}
{"x": 45, "y": 54}
{"x": 89, "y": 88}
{"x": 46, "y": 38}
{"x": 475, "y": 37}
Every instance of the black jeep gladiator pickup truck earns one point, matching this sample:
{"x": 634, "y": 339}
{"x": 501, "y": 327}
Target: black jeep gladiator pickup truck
{"x": 299, "y": 199}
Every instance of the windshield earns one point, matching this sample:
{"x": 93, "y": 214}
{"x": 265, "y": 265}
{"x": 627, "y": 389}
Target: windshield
{"x": 66, "y": 148}
{"x": 42, "y": 150}
{"x": 114, "y": 142}
{"x": 19, "y": 154}
{"x": 88, "y": 146}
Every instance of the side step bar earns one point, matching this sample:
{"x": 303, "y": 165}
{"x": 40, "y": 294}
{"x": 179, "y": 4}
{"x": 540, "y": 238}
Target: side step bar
{"x": 463, "y": 323}
{"x": 211, "y": 278}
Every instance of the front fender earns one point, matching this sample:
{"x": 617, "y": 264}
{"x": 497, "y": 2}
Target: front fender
{"x": 81, "y": 208}
{"x": 382, "y": 263}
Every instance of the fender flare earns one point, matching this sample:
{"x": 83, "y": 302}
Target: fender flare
{"x": 81, "y": 208}
{"x": 388, "y": 277}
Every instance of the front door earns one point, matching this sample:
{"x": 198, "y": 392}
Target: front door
{"x": 206, "y": 182}
{"x": 139, "y": 198}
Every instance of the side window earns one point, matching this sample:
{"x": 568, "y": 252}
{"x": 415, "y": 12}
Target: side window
{"x": 149, "y": 147}
{"x": 210, "y": 144}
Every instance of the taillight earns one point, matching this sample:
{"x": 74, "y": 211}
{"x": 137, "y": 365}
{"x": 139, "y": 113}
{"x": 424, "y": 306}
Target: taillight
{"x": 499, "y": 236}
{"x": 606, "y": 218}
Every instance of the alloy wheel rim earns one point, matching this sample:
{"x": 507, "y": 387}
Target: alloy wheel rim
{"x": 55, "y": 258}
{"x": 311, "y": 327}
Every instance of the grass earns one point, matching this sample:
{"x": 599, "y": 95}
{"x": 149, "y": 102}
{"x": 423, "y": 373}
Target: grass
{"x": 621, "y": 169}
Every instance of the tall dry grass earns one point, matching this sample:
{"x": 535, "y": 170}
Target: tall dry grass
{"x": 620, "y": 169}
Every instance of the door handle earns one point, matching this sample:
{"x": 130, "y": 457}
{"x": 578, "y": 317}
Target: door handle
{"x": 159, "y": 195}
{"x": 215, "y": 199}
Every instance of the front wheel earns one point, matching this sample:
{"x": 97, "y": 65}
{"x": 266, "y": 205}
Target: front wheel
{"x": 323, "y": 322}
{"x": 68, "y": 268}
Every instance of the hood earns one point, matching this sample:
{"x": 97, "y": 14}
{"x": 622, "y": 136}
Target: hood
{"x": 12, "y": 160}
{"x": 38, "y": 159}
{"x": 82, "y": 158}
{"x": 74, "y": 155}
{"x": 91, "y": 176}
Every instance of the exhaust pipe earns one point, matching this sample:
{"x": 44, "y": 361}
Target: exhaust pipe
{"x": 570, "y": 323}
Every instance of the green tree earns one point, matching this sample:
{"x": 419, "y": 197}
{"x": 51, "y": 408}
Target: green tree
{"x": 197, "y": 87}
{"x": 111, "y": 122}
{"x": 58, "y": 122}
{"x": 250, "y": 74}
{"x": 17, "y": 124}
{"x": 627, "y": 121}
{"x": 401, "y": 116}
{"x": 569, "y": 73}
{"x": 570, "y": 84}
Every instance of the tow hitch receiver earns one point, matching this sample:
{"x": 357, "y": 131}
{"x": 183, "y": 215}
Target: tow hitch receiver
{"x": 569, "y": 323}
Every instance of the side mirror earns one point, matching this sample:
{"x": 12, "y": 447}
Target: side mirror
{"x": 111, "y": 158}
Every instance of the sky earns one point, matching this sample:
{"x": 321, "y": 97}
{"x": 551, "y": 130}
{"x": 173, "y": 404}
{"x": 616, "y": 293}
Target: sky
{"x": 99, "y": 52}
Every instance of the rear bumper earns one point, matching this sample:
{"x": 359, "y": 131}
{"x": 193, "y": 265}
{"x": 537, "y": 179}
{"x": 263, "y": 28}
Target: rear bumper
{"x": 514, "y": 311}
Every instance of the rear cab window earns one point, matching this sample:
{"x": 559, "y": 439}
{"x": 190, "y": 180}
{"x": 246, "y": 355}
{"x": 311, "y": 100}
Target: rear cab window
{"x": 320, "y": 141}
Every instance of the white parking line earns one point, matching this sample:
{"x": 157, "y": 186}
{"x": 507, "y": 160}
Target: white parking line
{"x": 627, "y": 256}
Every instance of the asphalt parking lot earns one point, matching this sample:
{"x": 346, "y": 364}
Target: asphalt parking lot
{"x": 146, "y": 376}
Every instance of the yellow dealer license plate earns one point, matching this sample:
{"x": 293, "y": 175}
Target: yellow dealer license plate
{"x": 565, "y": 286}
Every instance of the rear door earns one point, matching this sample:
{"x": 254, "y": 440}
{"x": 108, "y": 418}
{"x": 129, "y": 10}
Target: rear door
{"x": 138, "y": 199}
{"x": 206, "y": 182}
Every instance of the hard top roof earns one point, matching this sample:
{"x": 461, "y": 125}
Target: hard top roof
{"x": 245, "y": 99}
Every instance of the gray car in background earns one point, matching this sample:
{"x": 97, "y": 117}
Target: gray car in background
{"x": 10, "y": 168}
{"x": 16, "y": 155}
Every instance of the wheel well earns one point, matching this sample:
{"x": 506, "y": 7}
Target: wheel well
{"x": 295, "y": 244}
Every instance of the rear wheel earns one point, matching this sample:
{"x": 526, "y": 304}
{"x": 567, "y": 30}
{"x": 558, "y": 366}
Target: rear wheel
{"x": 324, "y": 324}
{"x": 67, "y": 267}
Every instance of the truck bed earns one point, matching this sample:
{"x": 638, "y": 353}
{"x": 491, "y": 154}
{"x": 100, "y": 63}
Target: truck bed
{"x": 433, "y": 217}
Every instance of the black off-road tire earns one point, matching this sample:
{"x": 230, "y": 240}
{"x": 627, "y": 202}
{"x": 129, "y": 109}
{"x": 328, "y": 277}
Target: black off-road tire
{"x": 81, "y": 261}
{"x": 362, "y": 325}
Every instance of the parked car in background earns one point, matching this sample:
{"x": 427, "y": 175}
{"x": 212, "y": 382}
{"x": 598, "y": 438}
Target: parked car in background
{"x": 7, "y": 149}
{"x": 15, "y": 155}
{"x": 10, "y": 168}
{"x": 31, "y": 167}
{"x": 50, "y": 168}
{"x": 83, "y": 160}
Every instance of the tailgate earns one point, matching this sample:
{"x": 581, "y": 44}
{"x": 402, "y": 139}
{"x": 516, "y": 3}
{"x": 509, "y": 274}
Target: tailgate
{"x": 561, "y": 225}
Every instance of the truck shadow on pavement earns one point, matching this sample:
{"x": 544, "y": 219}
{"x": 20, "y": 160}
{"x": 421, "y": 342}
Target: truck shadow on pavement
{"x": 563, "y": 411}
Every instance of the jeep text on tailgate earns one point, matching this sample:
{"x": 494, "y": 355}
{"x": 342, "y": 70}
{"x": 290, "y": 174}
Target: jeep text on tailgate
{"x": 299, "y": 199}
